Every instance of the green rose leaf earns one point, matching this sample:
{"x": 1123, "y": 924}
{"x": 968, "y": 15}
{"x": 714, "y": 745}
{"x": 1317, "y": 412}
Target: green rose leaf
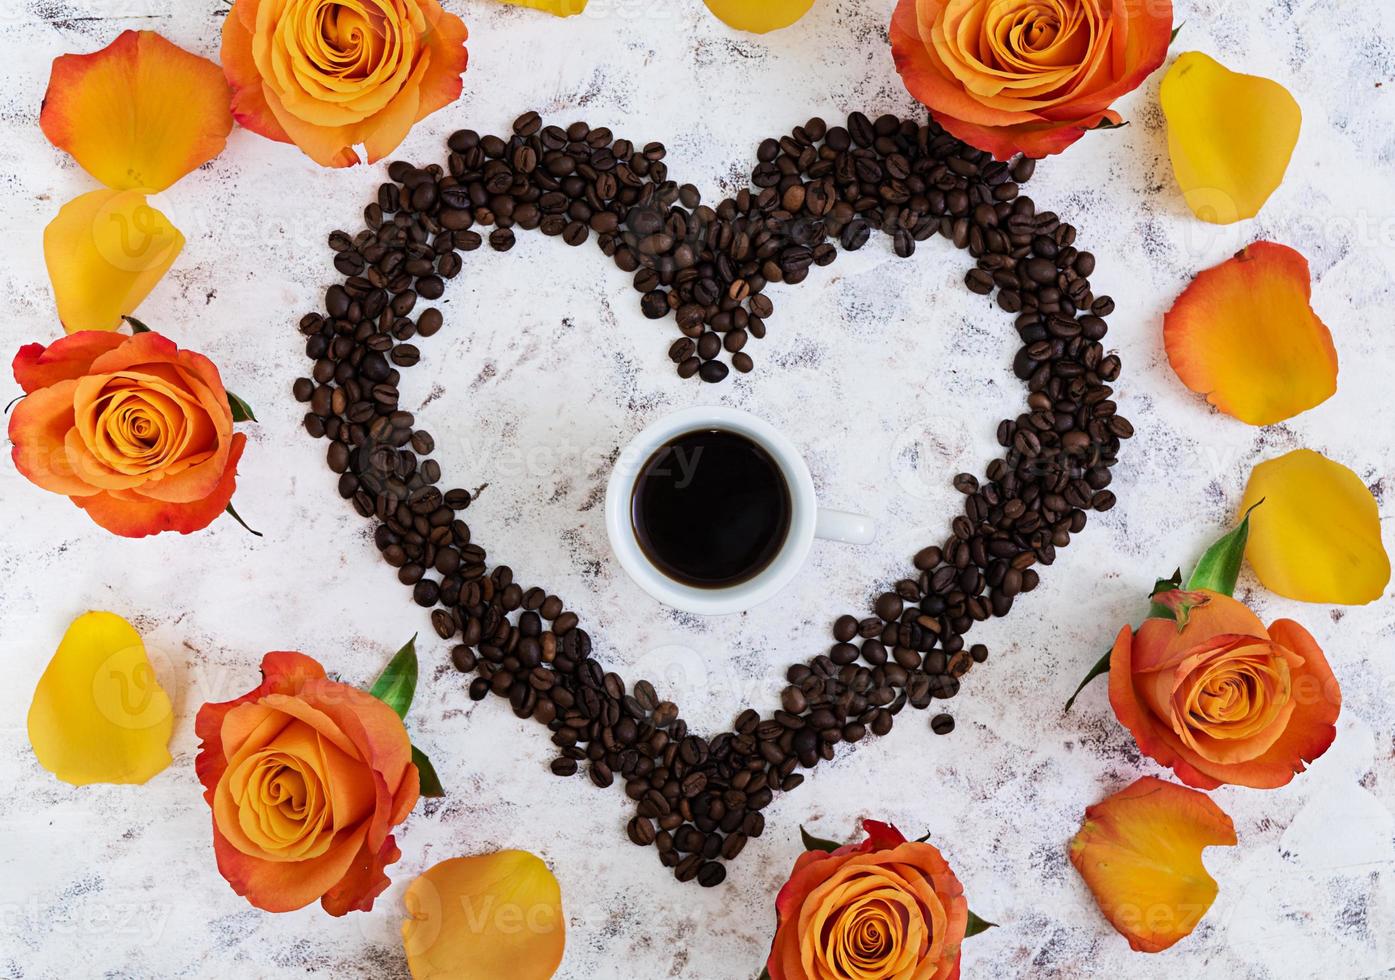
{"x": 1109, "y": 124}
{"x": 397, "y": 684}
{"x": 1101, "y": 667}
{"x": 977, "y": 925}
{"x": 812, "y": 843}
{"x": 136, "y": 325}
{"x": 241, "y": 411}
{"x": 426, "y": 773}
{"x": 1219, "y": 567}
{"x": 764, "y": 975}
{"x": 231, "y": 511}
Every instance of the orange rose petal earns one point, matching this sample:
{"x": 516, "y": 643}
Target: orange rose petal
{"x": 485, "y": 917}
{"x": 1132, "y": 711}
{"x": 252, "y": 726}
{"x": 139, "y": 114}
{"x": 1230, "y": 136}
{"x": 284, "y": 886}
{"x": 1317, "y": 701}
{"x": 445, "y": 40}
{"x": 193, "y": 483}
{"x": 386, "y": 130}
{"x": 1318, "y": 536}
{"x": 1139, "y": 852}
{"x": 377, "y": 732}
{"x": 1245, "y": 335}
{"x": 374, "y": 727}
{"x": 283, "y": 672}
{"x": 38, "y": 426}
{"x": 329, "y": 146}
{"x": 1160, "y": 645}
{"x": 365, "y": 880}
{"x": 133, "y": 516}
{"x": 927, "y": 79}
{"x": 249, "y": 106}
{"x": 137, "y": 349}
{"x": 70, "y": 357}
{"x": 105, "y": 251}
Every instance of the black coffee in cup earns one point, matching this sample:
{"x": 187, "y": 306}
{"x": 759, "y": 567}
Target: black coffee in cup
{"x": 711, "y": 508}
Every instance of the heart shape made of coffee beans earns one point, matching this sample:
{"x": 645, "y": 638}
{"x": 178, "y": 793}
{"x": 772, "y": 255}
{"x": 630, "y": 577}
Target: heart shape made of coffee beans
{"x": 699, "y": 799}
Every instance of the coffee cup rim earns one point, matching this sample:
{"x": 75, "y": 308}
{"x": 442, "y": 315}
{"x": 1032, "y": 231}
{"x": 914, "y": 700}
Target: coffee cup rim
{"x": 730, "y": 599}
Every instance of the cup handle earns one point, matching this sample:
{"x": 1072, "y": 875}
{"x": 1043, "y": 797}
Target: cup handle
{"x": 839, "y": 525}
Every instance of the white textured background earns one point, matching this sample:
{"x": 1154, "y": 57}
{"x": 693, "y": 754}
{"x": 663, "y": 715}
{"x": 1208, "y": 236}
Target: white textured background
{"x": 889, "y": 376}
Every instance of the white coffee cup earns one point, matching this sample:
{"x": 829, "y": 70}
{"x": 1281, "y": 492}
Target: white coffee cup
{"x": 807, "y": 519}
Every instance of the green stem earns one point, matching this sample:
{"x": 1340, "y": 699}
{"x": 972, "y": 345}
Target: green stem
{"x": 238, "y": 517}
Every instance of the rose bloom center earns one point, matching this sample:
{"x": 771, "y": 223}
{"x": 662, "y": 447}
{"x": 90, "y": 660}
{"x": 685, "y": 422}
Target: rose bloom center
{"x": 283, "y": 806}
{"x": 861, "y": 940}
{"x": 139, "y": 431}
{"x": 347, "y": 40}
{"x": 1036, "y": 38}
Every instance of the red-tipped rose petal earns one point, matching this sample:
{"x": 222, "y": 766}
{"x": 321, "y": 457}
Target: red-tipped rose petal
{"x": 1244, "y": 335}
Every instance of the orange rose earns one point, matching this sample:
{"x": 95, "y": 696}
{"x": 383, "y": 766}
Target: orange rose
{"x": 328, "y": 75}
{"x": 306, "y": 778}
{"x": 1026, "y": 76}
{"x": 136, "y": 431}
{"x": 1221, "y": 699}
{"x": 884, "y": 908}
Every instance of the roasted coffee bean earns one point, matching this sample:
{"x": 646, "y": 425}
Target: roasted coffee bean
{"x": 646, "y": 696}
{"x": 715, "y": 371}
{"x": 564, "y": 766}
{"x": 688, "y": 868}
{"x": 942, "y": 724}
{"x": 888, "y": 606}
{"x": 654, "y": 304}
{"x": 601, "y": 774}
{"x": 711, "y": 874}
{"x": 845, "y": 629}
{"x": 733, "y": 845}
{"x": 641, "y": 831}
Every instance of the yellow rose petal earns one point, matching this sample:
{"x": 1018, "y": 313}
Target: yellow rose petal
{"x": 559, "y": 8}
{"x": 485, "y": 917}
{"x": 759, "y": 16}
{"x": 1139, "y": 852}
{"x": 106, "y": 251}
{"x": 99, "y": 714}
{"x": 1317, "y": 537}
{"x": 1230, "y": 136}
